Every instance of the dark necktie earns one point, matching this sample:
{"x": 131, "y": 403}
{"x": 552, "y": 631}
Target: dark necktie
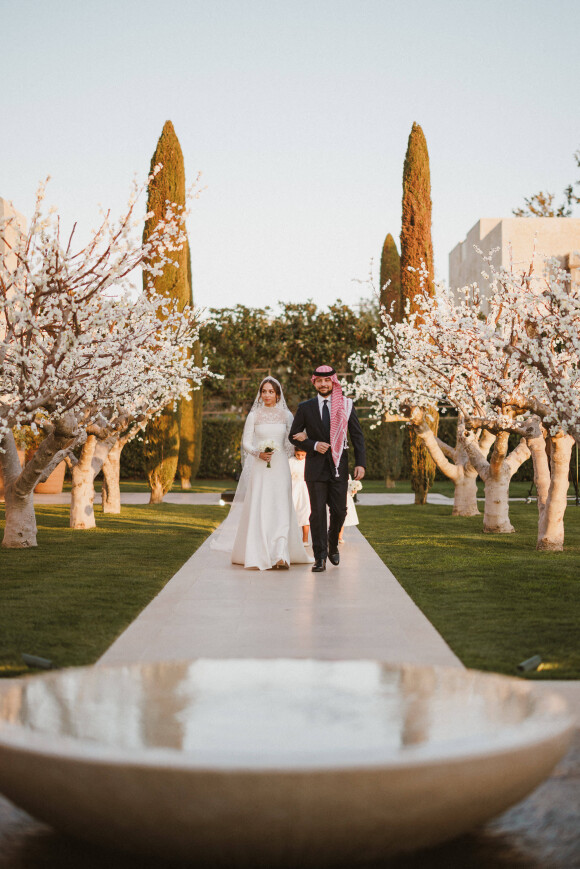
{"x": 326, "y": 417}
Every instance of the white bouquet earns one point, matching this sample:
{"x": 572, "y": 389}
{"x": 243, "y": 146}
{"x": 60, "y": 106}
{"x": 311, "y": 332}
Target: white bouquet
{"x": 354, "y": 486}
{"x": 268, "y": 447}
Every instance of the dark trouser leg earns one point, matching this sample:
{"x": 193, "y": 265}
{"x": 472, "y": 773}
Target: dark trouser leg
{"x": 317, "y": 492}
{"x": 337, "y": 503}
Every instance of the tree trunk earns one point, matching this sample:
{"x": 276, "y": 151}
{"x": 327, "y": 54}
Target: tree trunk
{"x": 465, "y": 495}
{"x": 111, "y": 496}
{"x": 20, "y": 526}
{"x": 496, "y": 510}
{"x": 421, "y": 493}
{"x": 460, "y": 471}
{"x": 19, "y": 483}
{"x": 185, "y": 483}
{"x": 496, "y": 475}
{"x": 536, "y": 441}
{"x": 551, "y": 520}
{"x": 497, "y": 489}
{"x": 422, "y": 464}
{"x": 161, "y": 450}
{"x": 93, "y": 455}
{"x": 157, "y": 491}
{"x": 390, "y": 483}
{"x": 82, "y": 514}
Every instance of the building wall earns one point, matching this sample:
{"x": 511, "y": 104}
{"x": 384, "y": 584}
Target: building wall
{"x": 6, "y": 211}
{"x": 515, "y": 238}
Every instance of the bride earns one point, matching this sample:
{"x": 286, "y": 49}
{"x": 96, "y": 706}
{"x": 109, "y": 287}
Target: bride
{"x": 262, "y": 530}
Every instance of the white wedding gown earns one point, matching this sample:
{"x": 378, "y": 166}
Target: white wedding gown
{"x": 268, "y": 529}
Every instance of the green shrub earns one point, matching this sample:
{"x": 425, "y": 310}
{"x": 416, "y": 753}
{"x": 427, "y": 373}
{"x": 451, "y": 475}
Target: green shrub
{"x": 382, "y": 441}
{"x": 220, "y": 454}
{"x": 132, "y": 462}
{"x": 220, "y": 447}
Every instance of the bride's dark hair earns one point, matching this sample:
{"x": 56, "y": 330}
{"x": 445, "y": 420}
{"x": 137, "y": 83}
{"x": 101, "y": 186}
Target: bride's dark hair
{"x": 273, "y": 383}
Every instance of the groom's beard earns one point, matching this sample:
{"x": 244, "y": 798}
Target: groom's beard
{"x": 325, "y": 391}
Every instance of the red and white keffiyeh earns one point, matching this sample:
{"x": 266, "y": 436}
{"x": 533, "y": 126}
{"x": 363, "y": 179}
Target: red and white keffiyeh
{"x": 339, "y": 413}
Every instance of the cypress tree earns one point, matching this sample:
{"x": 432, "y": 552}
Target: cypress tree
{"x": 417, "y": 248}
{"x": 390, "y": 298}
{"x": 161, "y": 447}
{"x": 416, "y": 244}
{"x": 191, "y": 410}
{"x": 391, "y": 272}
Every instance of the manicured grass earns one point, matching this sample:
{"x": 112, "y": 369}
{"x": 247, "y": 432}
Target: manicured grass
{"x": 518, "y": 489}
{"x": 494, "y": 599}
{"x": 68, "y": 599}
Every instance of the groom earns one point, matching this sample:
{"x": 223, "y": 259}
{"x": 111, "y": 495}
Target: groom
{"x": 327, "y": 419}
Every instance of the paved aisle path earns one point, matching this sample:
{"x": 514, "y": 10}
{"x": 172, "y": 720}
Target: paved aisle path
{"x": 135, "y": 498}
{"x": 211, "y": 608}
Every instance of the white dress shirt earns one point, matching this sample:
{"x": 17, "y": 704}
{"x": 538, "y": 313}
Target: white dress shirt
{"x": 321, "y": 400}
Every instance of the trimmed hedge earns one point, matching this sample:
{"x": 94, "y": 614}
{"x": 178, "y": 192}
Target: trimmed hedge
{"x": 379, "y": 440}
{"x": 220, "y": 450}
{"x": 132, "y": 461}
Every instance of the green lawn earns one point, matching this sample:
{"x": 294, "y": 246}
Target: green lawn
{"x": 494, "y": 599}
{"x": 518, "y": 489}
{"x": 68, "y": 599}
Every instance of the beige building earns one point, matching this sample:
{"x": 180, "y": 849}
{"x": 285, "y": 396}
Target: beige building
{"x": 515, "y": 238}
{"x": 7, "y": 211}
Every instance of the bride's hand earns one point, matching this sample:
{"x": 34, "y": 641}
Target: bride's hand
{"x": 301, "y": 436}
{"x": 265, "y": 456}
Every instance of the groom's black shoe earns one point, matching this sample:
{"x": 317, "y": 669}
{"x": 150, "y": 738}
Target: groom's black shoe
{"x": 319, "y": 565}
{"x": 334, "y": 558}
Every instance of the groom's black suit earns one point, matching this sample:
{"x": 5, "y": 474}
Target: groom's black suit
{"x": 324, "y": 487}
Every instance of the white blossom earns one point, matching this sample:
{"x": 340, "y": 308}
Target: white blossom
{"x": 75, "y": 335}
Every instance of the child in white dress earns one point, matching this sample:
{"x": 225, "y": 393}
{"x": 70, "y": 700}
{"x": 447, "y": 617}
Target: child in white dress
{"x": 300, "y": 492}
{"x": 351, "y": 514}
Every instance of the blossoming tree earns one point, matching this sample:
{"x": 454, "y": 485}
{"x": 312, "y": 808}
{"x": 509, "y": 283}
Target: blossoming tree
{"x": 548, "y": 345}
{"x": 158, "y": 370}
{"x": 436, "y": 356}
{"x": 75, "y": 342}
{"x": 484, "y": 360}
{"x": 550, "y": 342}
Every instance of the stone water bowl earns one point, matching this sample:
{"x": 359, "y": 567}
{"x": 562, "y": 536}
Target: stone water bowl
{"x": 296, "y": 763}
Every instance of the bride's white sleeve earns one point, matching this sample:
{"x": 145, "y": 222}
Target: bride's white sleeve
{"x": 248, "y": 436}
{"x": 289, "y": 449}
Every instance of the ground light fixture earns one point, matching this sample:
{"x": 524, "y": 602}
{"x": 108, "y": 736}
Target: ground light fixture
{"x": 530, "y": 664}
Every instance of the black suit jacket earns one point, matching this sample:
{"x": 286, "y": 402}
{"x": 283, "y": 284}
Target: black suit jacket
{"x": 319, "y": 466}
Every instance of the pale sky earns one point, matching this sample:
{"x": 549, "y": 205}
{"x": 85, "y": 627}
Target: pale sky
{"x": 297, "y": 114}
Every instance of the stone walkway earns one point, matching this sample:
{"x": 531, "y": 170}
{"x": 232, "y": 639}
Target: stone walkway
{"x": 212, "y": 608}
{"x": 364, "y": 499}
